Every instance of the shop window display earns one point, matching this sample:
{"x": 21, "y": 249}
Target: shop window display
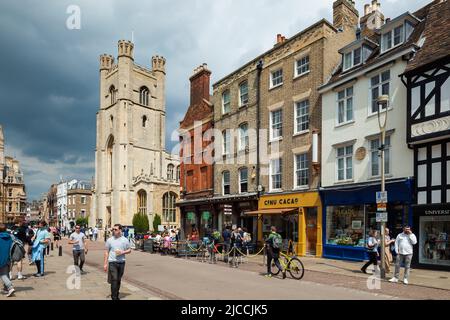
{"x": 287, "y": 226}
{"x": 190, "y": 222}
{"x": 206, "y": 223}
{"x": 346, "y": 225}
{"x": 434, "y": 243}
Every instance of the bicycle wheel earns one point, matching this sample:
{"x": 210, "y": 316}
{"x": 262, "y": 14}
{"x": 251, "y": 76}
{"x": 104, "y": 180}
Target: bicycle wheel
{"x": 296, "y": 268}
{"x": 284, "y": 263}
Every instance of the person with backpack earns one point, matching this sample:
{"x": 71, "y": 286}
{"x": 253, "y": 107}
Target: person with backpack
{"x": 214, "y": 239}
{"x": 236, "y": 242}
{"x": 20, "y": 233}
{"x": 247, "y": 238}
{"x": 6, "y": 243}
{"x": 56, "y": 236}
{"x": 40, "y": 241}
{"x": 30, "y": 235}
{"x": 274, "y": 243}
{"x": 372, "y": 250}
{"x": 226, "y": 235}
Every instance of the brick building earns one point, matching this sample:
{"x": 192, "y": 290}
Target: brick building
{"x": 276, "y": 94}
{"x": 79, "y": 197}
{"x": 196, "y": 176}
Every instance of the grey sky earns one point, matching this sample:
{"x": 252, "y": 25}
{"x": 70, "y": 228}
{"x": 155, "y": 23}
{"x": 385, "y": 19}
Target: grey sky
{"x": 49, "y": 74}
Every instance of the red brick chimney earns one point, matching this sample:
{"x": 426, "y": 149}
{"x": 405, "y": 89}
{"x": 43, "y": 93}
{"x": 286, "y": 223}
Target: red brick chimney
{"x": 200, "y": 84}
{"x": 279, "y": 38}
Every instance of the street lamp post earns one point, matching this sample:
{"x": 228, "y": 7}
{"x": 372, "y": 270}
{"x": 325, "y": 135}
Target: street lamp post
{"x": 383, "y": 102}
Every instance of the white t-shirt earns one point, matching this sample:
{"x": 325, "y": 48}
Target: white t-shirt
{"x": 80, "y": 237}
{"x": 404, "y": 243}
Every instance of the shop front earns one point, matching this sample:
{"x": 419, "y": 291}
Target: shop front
{"x": 297, "y": 220}
{"x": 197, "y": 217}
{"x": 350, "y": 211}
{"x": 432, "y": 228}
{"x": 209, "y": 214}
{"x": 230, "y": 212}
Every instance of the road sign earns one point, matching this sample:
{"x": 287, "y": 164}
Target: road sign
{"x": 382, "y": 197}
{"x": 382, "y": 217}
{"x": 381, "y": 207}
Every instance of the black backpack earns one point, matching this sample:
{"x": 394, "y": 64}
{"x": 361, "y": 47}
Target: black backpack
{"x": 17, "y": 252}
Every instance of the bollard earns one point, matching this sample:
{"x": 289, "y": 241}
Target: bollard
{"x": 51, "y": 246}
{"x": 60, "y": 251}
{"x": 48, "y": 250}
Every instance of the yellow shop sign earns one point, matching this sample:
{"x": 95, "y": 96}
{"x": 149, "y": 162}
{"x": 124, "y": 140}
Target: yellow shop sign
{"x": 306, "y": 199}
{"x": 276, "y": 202}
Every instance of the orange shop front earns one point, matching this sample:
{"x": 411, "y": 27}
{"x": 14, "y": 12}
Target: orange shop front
{"x": 297, "y": 218}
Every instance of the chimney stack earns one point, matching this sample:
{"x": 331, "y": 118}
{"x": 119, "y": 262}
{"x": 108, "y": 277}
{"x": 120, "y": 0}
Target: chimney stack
{"x": 279, "y": 38}
{"x": 200, "y": 84}
{"x": 345, "y": 14}
{"x": 373, "y": 19}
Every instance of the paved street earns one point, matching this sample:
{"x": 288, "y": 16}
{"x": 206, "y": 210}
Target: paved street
{"x": 55, "y": 285}
{"x": 152, "y": 276}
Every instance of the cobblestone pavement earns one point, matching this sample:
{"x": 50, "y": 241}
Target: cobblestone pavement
{"x": 57, "y": 284}
{"x": 152, "y": 276}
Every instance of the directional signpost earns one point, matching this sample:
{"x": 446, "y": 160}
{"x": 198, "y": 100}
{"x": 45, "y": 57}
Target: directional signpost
{"x": 382, "y": 198}
{"x": 228, "y": 209}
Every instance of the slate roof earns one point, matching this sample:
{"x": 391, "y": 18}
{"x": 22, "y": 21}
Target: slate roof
{"x": 434, "y": 25}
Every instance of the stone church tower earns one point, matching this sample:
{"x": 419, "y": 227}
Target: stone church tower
{"x": 133, "y": 172}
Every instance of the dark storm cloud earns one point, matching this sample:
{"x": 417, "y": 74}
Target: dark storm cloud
{"x": 49, "y": 74}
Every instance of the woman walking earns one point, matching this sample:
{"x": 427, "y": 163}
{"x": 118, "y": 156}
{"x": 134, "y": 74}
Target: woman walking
{"x": 387, "y": 252}
{"x": 372, "y": 250}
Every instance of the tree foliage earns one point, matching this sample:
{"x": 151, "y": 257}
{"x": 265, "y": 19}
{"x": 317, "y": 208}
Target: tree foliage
{"x": 156, "y": 222}
{"x": 82, "y": 221}
{"x": 141, "y": 223}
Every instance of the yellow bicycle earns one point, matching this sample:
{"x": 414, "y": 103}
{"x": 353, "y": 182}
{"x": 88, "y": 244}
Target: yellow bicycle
{"x": 291, "y": 264}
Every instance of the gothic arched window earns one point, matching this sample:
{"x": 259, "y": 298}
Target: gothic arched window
{"x": 112, "y": 94}
{"x": 169, "y": 211}
{"x": 142, "y": 202}
{"x": 143, "y": 96}
{"x": 170, "y": 168}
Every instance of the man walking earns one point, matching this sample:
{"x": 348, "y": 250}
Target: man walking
{"x": 40, "y": 241}
{"x": 95, "y": 233}
{"x": 5, "y": 260}
{"x": 114, "y": 260}
{"x": 404, "y": 249}
{"x": 78, "y": 240}
{"x": 20, "y": 232}
{"x": 273, "y": 245}
{"x": 226, "y": 235}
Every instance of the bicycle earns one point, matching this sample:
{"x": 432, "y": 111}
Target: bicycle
{"x": 291, "y": 264}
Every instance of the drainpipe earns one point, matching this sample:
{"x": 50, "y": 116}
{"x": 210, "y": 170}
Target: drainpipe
{"x": 258, "y": 123}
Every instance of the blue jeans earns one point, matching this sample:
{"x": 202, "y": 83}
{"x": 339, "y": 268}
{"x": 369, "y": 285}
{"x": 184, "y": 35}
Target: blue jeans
{"x": 40, "y": 263}
{"x": 4, "y": 275}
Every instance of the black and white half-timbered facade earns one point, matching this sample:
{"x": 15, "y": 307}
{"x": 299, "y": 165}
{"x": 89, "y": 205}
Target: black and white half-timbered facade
{"x": 427, "y": 79}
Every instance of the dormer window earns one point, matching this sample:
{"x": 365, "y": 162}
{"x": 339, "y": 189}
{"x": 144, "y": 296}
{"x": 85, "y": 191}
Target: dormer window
{"x": 352, "y": 58}
{"x": 397, "y": 31}
{"x": 392, "y": 38}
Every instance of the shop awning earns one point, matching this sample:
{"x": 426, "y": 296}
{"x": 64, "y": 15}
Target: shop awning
{"x": 271, "y": 211}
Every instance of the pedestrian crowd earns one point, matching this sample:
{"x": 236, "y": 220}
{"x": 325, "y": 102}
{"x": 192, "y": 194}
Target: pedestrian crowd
{"x": 398, "y": 251}
{"x": 24, "y": 241}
